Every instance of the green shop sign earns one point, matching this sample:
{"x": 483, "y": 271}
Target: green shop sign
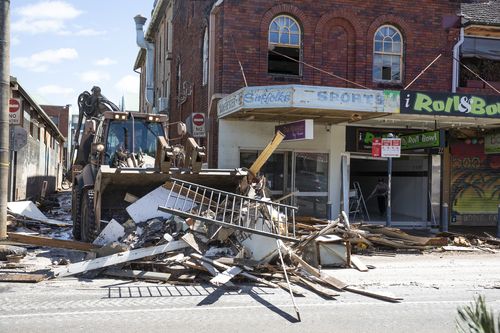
{"x": 445, "y": 104}
{"x": 421, "y": 140}
{"x": 492, "y": 143}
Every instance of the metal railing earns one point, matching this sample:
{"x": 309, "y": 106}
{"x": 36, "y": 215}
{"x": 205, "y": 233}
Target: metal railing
{"x": 231, "y": 210}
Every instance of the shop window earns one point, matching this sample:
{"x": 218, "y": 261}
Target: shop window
{"x": 205, "y": 57}
{"x": 387, "y": 54}
{"x": 284, "y": 46}
{"x": 481, "y": 55}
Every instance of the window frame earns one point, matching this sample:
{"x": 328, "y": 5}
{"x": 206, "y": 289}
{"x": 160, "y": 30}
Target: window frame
{"x": 205, "y": 59}
{"x": 298, "y": 45}
{"x": 383, "y": 53}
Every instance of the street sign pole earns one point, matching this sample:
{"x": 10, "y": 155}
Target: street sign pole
{"x": 388, "y": 221}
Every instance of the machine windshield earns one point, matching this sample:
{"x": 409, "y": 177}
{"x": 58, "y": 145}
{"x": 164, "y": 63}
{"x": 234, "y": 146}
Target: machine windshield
{"x": 120, "y": 136}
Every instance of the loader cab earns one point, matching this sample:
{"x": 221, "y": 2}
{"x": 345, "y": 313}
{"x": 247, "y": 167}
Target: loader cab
{"x": 128, "y": 132}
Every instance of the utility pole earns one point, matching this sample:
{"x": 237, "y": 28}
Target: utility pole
{"x": 4, "y": 112}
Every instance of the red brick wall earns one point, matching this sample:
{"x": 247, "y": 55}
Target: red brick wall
{"x": 337, "y": 37}
{"x": 62, "y": 112}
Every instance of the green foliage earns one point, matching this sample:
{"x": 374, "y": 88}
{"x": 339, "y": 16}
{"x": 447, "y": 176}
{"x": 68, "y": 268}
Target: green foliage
{"x": 477, "y": 318}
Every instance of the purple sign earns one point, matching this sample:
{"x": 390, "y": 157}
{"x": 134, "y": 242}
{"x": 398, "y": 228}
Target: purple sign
{"x": 298, "y": 130}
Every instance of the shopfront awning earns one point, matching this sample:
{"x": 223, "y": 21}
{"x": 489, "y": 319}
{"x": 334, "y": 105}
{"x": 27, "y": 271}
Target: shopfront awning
{"x": 294, "y": 102}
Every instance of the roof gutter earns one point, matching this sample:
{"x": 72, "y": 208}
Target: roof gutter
{"x": 456, "y": 66}
{"x": 150, "y": 51}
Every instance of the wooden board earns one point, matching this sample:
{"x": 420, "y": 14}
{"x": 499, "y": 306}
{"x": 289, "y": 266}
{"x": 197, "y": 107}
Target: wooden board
{"x": 226, "y": 276}
{"x": 137, "y": 274}
{"x": 322, "y": 291}
{"x": 266, "y": 153}
{"x": 118, "y": 258}
{"x": 22, "y": 277}
{"x": 356, "y": 262}
{"x": 50, "y": 242}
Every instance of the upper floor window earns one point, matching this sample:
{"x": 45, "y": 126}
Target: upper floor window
{"x": 205, "y": 57}
{"x": 284, "y": 46}
{"x": 387, "y": 54}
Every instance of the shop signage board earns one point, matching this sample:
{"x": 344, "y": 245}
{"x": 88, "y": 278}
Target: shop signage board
{"x": 420, "y": 140}
{"x": 365, "y": 137}
{"x": 447, "y": 104}
{"x": 297, "y": 130}
{"x": 198, "y": 121}
{"x": 377, "y": 147}
{"x": 492, "y": 143}
{"x": 391, "y": 147}
{"x": 15, "y": 114}
{"x": 300, "y": 96}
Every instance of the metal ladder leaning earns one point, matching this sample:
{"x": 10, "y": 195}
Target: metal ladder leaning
{"x": 358, "y": 205}
{"x": 231, "y": 210}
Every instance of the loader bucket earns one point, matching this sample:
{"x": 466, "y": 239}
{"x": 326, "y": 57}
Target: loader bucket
{"x": 113, "y": 184}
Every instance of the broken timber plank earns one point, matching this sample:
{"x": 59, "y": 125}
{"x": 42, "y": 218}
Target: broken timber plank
{"x": 380, "y": 296}
{"x": 118, "y": 258}
{"x": 266, "y": 153}
{"x": 137, "y": 274}
{"x": 326, "y": 278}
{"x": 356, "y": 262}
{"x": 50, "y": 242}
{"x": 319, "y": 289}
{"x": 222, "y": 266}
{"x": 22, "y": 277}
{"x": 189, "y": 238}
{"x": 224, "y": 277}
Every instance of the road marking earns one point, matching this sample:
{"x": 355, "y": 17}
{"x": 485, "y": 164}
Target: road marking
{"x": 48, "y": 314}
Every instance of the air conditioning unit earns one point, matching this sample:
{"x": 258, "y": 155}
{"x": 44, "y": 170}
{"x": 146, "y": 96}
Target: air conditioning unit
{"x": 169, "y": 56}
{"x": 163, "y": 105}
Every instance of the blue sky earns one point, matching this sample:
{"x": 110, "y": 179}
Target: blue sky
{"x": 60, "y": 48}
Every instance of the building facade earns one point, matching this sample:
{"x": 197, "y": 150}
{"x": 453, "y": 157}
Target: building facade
{"x": 60, "y": 117}
{"x": 346, "y": 67}
{"x": 36, "y": 144}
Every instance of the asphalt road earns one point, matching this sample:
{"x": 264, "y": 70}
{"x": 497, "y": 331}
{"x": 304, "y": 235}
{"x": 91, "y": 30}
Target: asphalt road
{"x": 432, "y": 287}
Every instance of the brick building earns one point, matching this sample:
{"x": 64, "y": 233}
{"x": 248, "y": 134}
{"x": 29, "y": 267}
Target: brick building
{"x": 252, "y": 65}
{"x": 36, "y": 149}
{"x": 60, "y": 117}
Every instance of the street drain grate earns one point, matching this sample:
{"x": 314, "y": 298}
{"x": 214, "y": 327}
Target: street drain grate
{"x": 179, "y": 291}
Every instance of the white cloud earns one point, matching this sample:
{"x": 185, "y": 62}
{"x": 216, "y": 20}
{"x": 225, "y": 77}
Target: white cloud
{"x": 90, "y": 32}
{"x": 49, "y": 9}
{"x": 53, "y": 89}
{"x": 38, "y": 62}
{"x": 105, "y": 62}
{"x": 128, "y": 84}
{"x": 44, "y": 16}
{"x": 94, "y": 76}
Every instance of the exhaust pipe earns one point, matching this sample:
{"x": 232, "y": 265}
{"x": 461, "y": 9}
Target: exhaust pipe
{"x": 150, "y": 51}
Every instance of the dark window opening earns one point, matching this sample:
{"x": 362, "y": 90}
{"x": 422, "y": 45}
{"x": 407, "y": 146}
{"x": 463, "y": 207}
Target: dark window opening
{"x": 279, "y": 61}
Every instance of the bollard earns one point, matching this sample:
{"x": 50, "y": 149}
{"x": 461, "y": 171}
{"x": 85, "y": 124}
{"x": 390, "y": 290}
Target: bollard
{"x": 498, "y": 222}
{"x": 444, "y": 218}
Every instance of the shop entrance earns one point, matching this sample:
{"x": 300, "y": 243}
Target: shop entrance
{"x": 304, "y": 173}
{"x": 410, "y": 188}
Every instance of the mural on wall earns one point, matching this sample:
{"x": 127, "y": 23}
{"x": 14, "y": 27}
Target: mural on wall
{"x": 475, "y": 184}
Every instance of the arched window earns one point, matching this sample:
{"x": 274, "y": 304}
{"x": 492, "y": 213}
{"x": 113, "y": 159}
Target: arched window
{"x": 387, "y": 54}
{"x": 284, "y": 46}
{"x": 205, "y": 57}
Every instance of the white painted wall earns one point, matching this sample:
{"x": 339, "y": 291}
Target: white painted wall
{"x": 239, "y": 135}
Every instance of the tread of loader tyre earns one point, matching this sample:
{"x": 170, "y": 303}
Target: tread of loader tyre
{"x": 76, "y": 211}
{"x": 89, "y": 228}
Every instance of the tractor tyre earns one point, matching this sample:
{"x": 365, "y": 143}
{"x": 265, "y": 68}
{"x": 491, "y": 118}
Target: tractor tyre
{"x": 90, "y": 229}
{"x": 76, "y": 205}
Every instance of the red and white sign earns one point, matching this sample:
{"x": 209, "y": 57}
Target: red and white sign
{"x": 391, "y": 147}
{"x": 199, "y": 125}
{"x": 14, "y": 111}
{"x": 377, "y": 147}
